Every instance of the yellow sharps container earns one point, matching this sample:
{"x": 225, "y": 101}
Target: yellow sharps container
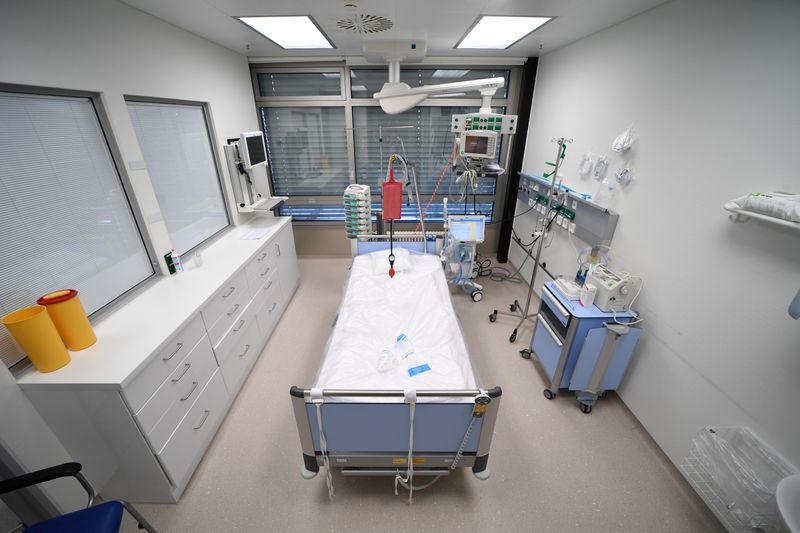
{"x": 65, "y": 308}
{"x": 36, "y": 334}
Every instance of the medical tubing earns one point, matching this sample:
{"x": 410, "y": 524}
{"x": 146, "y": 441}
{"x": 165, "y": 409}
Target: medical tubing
{"x": 408, "y": 482}
{"x": 323, "y": 447}
{"x": 438, "y": 183}
{"x": 419, "y": 207}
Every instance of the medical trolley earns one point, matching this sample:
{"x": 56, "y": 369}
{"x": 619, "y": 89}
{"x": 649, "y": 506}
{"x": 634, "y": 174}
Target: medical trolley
{"x": 579, "y": 348}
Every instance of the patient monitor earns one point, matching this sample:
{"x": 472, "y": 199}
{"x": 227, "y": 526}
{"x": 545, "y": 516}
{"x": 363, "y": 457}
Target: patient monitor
{"x": 467, "y": 228}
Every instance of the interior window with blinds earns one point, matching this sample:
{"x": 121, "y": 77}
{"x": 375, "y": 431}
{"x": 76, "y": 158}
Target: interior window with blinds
{"x": 365, "y": 82}
{"x": 299, "y": 83}
{"x": 66, "y": 221}
{"x": 176, "y": 146}
{"x": 422, "y": 134}
{"x": 307, "y": 150}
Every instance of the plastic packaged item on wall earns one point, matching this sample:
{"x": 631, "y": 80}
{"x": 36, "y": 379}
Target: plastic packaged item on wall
{"x": 605, "y": 193}
{"x": 585, "y": 166}
{"x": 624, "y": 176}
{"x": 600, "y": 168}
{"x": 781, "y": 205}
{"x": 624, "y": 141}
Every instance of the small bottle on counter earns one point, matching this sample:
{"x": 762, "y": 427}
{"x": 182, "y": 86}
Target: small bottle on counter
{"x": 176, "y": 261}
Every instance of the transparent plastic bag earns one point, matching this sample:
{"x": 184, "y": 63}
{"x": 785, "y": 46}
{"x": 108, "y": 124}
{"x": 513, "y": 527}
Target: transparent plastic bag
{"x": 624, "y": 141}
{"x": 586, "y": 164}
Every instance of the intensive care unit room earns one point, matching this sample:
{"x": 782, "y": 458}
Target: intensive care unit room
{"x": 399, "y": 266}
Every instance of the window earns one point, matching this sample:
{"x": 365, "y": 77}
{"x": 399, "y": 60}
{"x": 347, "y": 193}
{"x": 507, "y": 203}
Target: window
{"x": 65, "y": 218}
{"x": 321, "y": 137}
{"x": 422, "y": 134}
{"x": 307, "y": 150}
{"x": 176, "y": 145}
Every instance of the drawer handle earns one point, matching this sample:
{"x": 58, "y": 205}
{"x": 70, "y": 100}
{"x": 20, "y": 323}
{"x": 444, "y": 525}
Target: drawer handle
{"x": 541, "y": 319}
{"x": 268, "y": 285}
{"x": 278, "y": 248}
{"x": 238, "y": 326}
{"x": 170, "y": 356}
{"x": 194, "y": 386}
{"x": 274, "y": 304}
{"x": 246, "y": 349}
{"x": 265, "y": 272}
{"x": 235, "y": 307}
{"x": 560, "y": 308}
{"x": 230, "y": 291}
{"x": 186, "y": 368}
{"x": 262, "y": 257}
{"x": 203, "y": 421}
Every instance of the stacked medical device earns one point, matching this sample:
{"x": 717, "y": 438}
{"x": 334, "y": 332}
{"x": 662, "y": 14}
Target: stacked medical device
{"x": 357, "y": 211}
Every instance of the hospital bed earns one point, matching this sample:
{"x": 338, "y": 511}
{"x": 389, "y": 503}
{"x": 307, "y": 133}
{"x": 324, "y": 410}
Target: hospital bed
{"x": 368, "y": 422}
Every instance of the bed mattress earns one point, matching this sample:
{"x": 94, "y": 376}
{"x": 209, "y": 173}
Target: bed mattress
{"x": 363, "y": 352}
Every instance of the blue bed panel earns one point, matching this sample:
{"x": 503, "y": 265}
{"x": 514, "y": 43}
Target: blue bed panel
{"x": 383, "y": 427}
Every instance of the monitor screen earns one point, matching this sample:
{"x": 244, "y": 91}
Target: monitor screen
{"x": 467, "y": 228}
{"x": 474, "y": 144}
{"x": 255, "y": 150}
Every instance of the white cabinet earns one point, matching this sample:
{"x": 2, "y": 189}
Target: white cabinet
{"x": 139, "y": 408}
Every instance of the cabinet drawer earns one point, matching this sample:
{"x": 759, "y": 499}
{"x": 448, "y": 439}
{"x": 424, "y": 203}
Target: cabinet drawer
{"x": 270, "y": 300}
{"x": 224, "y": 300}
{"x": 546, "y": 346}
{"x": 241, "y": 360}
{"x": 188, "y": 443}
{"x": 161, "y": 414}
{"x": 236, "y": 305}
{"x": 233, "y": 336}
{"x": 138, "y": 391}
{"x": 260, "y": 267}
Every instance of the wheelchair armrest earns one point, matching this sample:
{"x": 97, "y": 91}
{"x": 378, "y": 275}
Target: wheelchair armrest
{"x": 40, "y": 476}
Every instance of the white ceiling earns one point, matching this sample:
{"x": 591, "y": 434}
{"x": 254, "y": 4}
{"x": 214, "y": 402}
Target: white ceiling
{"x": 441, "y": 23}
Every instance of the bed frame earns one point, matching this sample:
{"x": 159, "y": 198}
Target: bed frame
{"x": 366, "y": 438}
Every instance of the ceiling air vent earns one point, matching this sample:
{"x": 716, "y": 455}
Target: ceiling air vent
{"x": 365, "y": 24}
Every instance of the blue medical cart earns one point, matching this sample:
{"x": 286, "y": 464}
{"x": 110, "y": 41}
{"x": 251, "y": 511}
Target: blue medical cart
{"x": 579, "y": 348}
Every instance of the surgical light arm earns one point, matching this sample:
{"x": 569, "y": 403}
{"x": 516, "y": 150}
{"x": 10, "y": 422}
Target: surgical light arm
{"x": 396, "y": 96}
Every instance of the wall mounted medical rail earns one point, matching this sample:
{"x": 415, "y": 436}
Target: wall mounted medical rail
{"x": 515, "y": 309}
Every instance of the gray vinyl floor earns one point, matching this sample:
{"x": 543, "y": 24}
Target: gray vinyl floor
{"x": 553, "y": 467}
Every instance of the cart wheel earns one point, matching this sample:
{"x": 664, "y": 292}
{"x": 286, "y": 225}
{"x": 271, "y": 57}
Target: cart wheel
{"x": 603, "y": 394}
{"x": 586, "y": 408}
{"x": 513, "y": 337}
{"x": 549, "y": 394}
{"x": 513, "y": 307}
{"x": 477, "y": 295}
{"x": 525, "y": 354}
{"x": 493, "y": 316}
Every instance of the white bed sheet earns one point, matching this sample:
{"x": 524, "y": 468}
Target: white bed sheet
{"x": 375, "y": 310}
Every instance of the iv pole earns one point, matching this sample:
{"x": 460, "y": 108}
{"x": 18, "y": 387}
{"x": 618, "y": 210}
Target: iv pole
{"x": 515, "y": 307}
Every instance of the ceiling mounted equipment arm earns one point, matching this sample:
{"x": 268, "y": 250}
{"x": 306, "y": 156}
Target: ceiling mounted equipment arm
{"x": 396, "y": 96}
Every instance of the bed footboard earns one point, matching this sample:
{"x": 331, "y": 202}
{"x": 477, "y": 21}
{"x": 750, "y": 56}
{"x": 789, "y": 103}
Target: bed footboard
{"x": 367, "y": 431}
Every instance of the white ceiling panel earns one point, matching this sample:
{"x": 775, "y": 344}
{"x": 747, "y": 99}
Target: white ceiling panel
{"x": 441, "y": 23}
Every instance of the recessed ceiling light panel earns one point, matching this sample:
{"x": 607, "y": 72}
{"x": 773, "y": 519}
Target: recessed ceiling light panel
{"x": 500, "y": 32}
{"x": 290, "y": 32}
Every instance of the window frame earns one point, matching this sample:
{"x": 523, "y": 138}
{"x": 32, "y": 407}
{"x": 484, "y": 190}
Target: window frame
{"x": 212, "y": 135}
{"x": 510, "y": 103}
{"x": 117, "y": 160}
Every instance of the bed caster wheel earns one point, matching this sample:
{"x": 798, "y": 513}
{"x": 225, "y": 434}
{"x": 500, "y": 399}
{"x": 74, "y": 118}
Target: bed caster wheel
{"x": 549, "y": 394}
{"x": 483, "y": 475}
{"x": 477, "y": 295}
{"x": 307, "y": 474}
{"x": 525, "y": 354}
{"x": 513, "y": 337}
{"x": 586, "y": 408}
{"x": 493, "y": 316}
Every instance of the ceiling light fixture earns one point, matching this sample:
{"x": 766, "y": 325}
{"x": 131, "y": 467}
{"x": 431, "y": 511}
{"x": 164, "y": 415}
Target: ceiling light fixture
{"x": 500, "y": 32}
{"x": 290, "y": 32}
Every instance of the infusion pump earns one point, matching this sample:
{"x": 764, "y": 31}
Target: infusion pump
{"x": 615, "y": 292}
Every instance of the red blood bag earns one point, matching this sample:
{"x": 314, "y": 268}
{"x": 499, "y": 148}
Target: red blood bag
{"x": 392, "y": 198}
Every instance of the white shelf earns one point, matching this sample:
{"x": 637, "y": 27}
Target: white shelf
{"x": 742, "y": 215}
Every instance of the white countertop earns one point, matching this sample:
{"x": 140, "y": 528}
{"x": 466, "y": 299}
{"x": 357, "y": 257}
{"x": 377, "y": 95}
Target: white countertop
{"x": 132, "y": 333}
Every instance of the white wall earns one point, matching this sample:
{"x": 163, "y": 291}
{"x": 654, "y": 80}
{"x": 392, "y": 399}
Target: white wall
{"x": 712, "y": 88}
{"x": 105, "y": 46}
